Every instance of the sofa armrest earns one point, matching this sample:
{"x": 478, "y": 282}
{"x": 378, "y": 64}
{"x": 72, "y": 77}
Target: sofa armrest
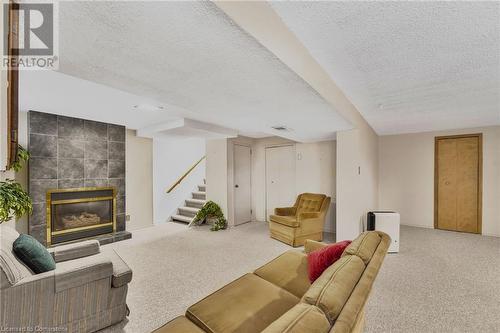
{"x": 308, "y": 215}
{"x": 74, "y": 273}
{"x": 74, "y": 251}
{"x": 311, "y": 246}
{"x": 285, "y": 211}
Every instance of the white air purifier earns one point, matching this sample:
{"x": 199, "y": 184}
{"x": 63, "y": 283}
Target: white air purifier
{"x": 387, "y": 222}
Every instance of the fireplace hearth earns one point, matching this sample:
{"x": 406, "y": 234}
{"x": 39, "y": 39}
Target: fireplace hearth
{"x": 78, "y": 213}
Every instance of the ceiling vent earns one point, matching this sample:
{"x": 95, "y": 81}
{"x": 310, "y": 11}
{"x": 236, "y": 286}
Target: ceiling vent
{"x": 280, "y": 128}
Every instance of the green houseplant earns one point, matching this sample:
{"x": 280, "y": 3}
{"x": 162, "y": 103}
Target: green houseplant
{"x": 14, "y": 201}
{"x": 211, "y": 210}
{"x": 22, "y": 156}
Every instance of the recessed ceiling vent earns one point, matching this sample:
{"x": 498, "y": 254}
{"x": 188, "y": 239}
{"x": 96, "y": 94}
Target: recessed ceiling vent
{"x": 280, "y": 128}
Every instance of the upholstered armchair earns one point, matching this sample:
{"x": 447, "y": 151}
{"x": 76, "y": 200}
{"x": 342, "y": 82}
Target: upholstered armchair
{"x": 86, "y": 292}
{"x": 305, "y": 220}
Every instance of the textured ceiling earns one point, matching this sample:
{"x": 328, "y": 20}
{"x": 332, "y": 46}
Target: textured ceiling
{"x": 189, "y": 54}
{"x": 407, "y": 66}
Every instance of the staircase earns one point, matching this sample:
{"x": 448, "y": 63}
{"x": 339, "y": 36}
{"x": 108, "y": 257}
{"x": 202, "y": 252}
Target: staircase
{"x": 186, "y": 213}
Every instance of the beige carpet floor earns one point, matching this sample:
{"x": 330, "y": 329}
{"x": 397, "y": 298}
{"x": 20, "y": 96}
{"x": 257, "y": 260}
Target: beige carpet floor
{"x": 439, "y": 282}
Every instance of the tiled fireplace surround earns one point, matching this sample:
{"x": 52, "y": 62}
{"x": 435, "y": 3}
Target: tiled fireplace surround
{"x": 71, "y": 153}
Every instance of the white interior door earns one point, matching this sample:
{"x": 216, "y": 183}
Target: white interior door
{"x": 280, "y": 178}
{"x": 242, "y": 184}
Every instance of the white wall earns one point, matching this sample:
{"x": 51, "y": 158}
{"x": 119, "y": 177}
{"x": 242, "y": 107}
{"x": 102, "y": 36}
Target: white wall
{"x": 357, "y": 179}
{"x": 217, "y": 173}
{"x": 406, "y": 176}
{"x": 139, "y": 181}
{"x": 314, "y": 172}
{"x": 172, "y": 157}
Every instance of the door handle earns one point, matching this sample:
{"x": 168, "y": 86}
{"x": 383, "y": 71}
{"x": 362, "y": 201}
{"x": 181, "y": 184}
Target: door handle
{"x": 447, "y": 183}
{"x": 236, "y": 186}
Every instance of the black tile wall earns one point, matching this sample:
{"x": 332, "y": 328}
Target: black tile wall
{"x": 70, "y": 152}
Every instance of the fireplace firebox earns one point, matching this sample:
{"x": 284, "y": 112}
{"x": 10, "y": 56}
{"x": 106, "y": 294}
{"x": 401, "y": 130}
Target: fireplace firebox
{"x": 78, "y": 213}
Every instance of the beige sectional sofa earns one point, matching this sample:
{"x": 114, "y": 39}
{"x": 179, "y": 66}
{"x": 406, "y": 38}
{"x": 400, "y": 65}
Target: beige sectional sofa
{"x": 278, "y": 296}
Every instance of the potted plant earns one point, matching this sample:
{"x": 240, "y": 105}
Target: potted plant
{"x": 211, "y": 212}
{"x": 14, "y": 201}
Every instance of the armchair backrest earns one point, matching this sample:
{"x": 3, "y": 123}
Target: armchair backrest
{"x": 12, "y": 269}
{"x": 312, "y": 202}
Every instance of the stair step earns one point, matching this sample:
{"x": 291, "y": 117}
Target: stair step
{"x": 196, "y": 203}
{"x": 188, "y": 211}
{"x": 199, "y": 195}
{"x": 202, "y": 187}
{"x": 182, "y": 218}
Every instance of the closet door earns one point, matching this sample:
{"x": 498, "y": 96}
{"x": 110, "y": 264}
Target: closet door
{"x": 280, "y": 178}
{"x": 458, "y": 183}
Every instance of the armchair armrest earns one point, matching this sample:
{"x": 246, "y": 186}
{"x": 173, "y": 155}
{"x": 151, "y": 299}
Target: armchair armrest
{"x": 311, "y": 246}
{"x": 74, "y": 251}
{"x": 285, "y": 211}
{"x": 74, "y": 273}
{"x": 308, "y": 215}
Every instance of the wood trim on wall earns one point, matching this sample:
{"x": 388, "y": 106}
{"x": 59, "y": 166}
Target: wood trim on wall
{"x": 480, "y": 175}
{"x": 12, "y": 86}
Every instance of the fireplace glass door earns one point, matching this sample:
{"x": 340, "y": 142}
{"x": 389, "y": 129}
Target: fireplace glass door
{"x": 86, "y": 214}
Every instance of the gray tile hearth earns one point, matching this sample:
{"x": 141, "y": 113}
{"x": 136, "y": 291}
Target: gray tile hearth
{"x": 96, "y": 150}
{"x": 73, "y": 153}
{"x": 42, "y": 123}
{"x": 96, "y": 169}
{"x": 116, "y": 169}
{"x": 38, "y": 189}
{"x": 70, "y": 183}
{"x": 70, "y": 168}
{"x": 71, "y": 128}
{"x": 96, "y": 183}
{"x": 43, "y": 145}
{"x": 95, "y": 130}
{"x": 42, "y": 168}
{"x": 70, "y": 148}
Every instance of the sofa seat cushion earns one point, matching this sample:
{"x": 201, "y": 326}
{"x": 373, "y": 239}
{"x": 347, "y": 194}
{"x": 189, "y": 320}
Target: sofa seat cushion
{"x": 179, "y": 325}
{"x": 301, "y": 318}
{"x": 248, "y": 304}
{"x": 364, "y": 246}
{"x": 288, "y": 271}
{"x": 332, "y": 289}
{"x": 290, "y": 221}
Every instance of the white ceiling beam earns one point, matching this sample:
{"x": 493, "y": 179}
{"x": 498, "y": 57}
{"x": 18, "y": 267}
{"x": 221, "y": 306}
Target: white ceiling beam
{"x": 260, "y": 20}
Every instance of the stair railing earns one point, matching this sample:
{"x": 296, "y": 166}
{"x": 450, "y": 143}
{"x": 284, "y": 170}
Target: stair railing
{"x": 185, "y": 175}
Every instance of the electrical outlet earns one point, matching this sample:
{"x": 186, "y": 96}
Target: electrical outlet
{"x": 127, "y": 217}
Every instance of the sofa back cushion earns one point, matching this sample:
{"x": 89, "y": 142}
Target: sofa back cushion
{"x": 364, "y": 246}
{"x": 13, "y": 270}
{"x": 332, "y": 289}
{"x": 310, "y": 202}
{"x": 301, "y": 318}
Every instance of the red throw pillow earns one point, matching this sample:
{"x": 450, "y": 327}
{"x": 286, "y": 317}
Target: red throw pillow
{"x": 319, "y": 260}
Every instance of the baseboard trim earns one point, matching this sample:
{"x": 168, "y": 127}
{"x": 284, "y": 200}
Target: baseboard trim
{"x": 418, "y": 225}
{"x": 432, "y": 227}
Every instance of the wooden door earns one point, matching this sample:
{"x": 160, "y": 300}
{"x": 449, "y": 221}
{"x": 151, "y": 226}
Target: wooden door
{"x": 242, "y": 184}
{"x": 280, "y": 178}
{"x": 458, "y": 183}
